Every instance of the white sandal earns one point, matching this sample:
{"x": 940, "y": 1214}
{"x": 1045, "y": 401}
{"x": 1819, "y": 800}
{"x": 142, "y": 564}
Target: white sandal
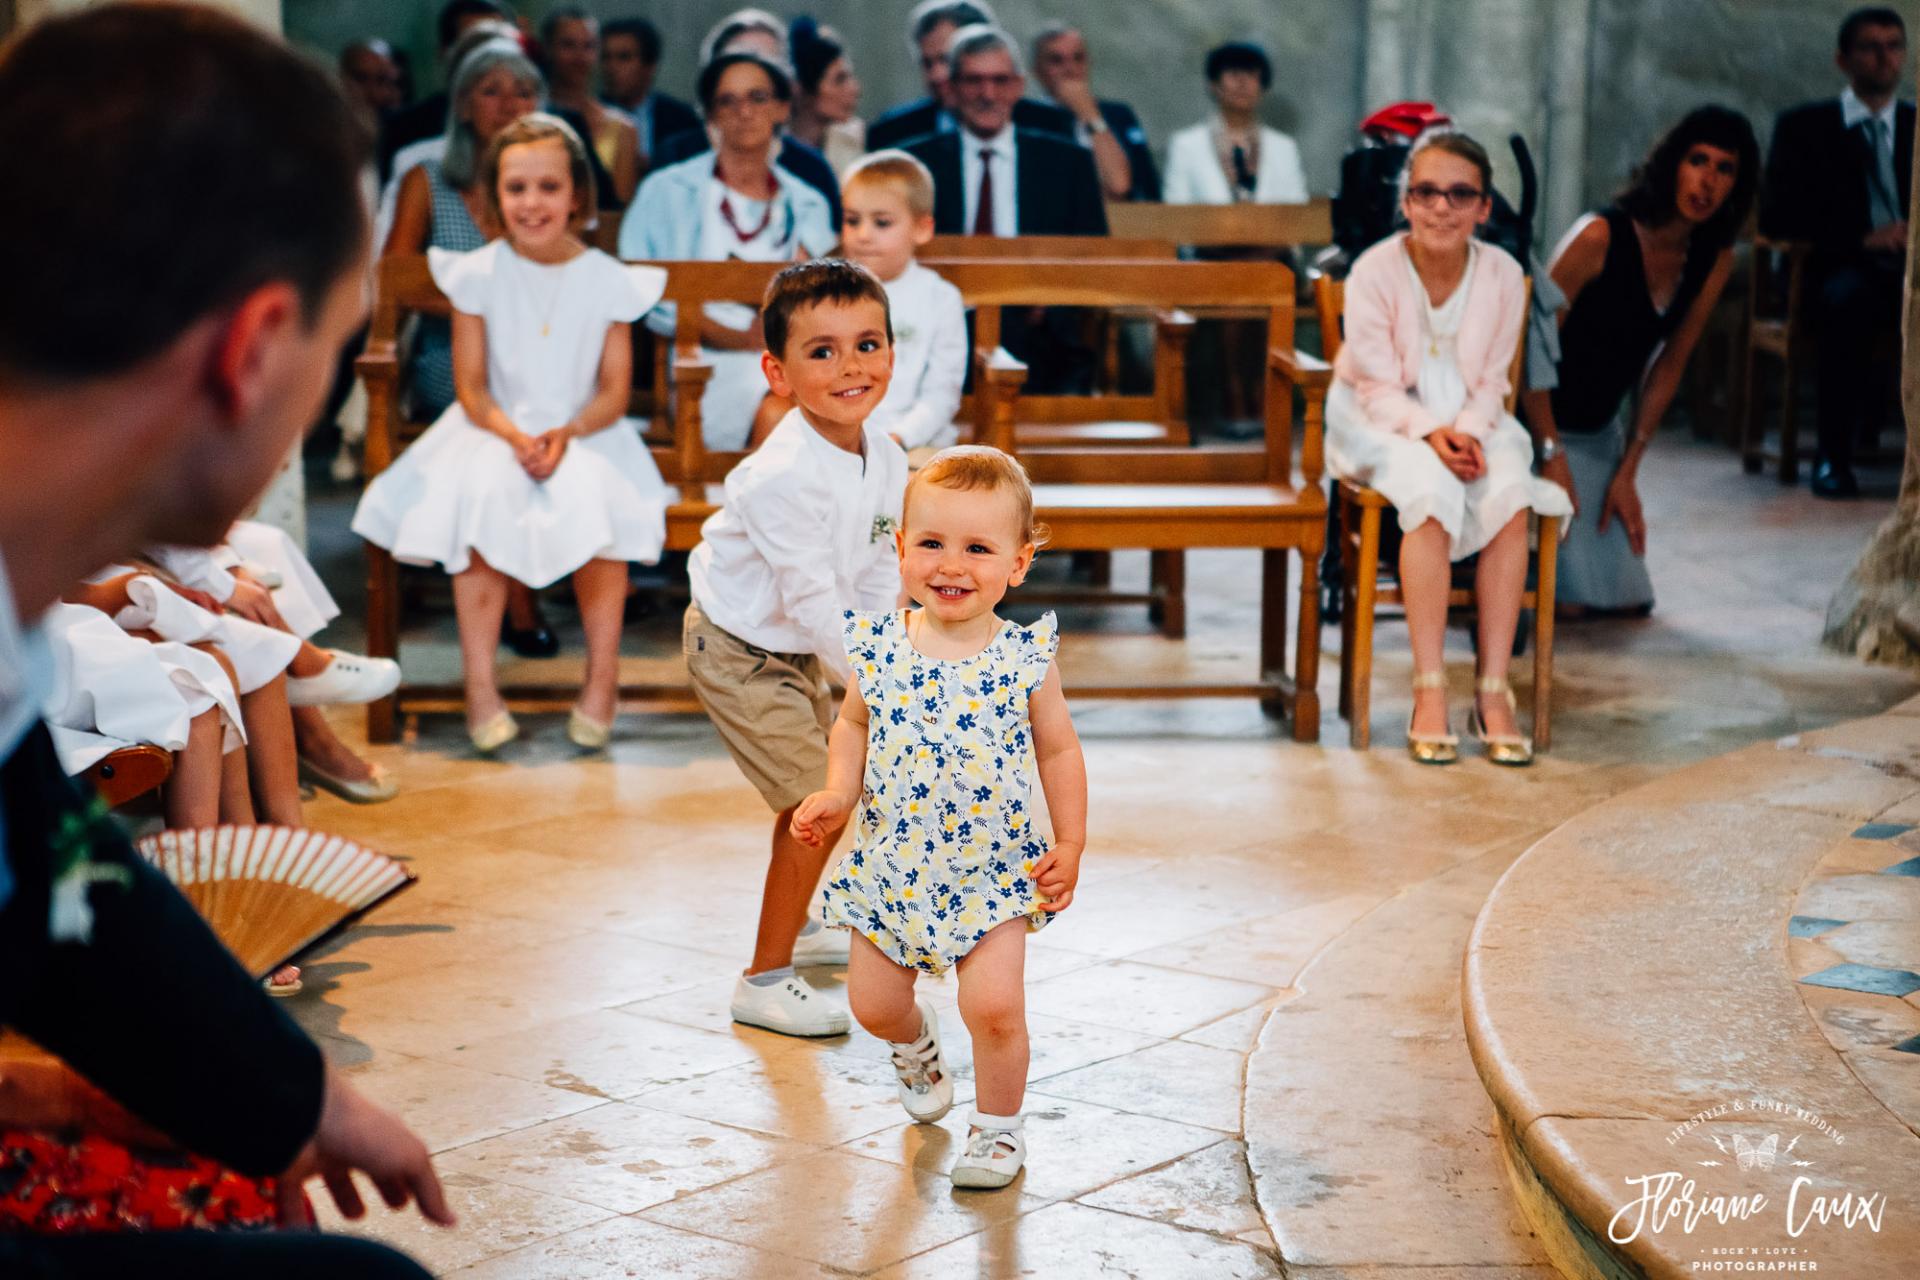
{"x": 993, "y": 1157}
{"x": 924, "y": 1083}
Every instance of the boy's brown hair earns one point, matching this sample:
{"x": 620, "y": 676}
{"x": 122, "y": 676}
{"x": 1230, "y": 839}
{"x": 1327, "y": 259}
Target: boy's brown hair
{"x": 980, "y": 466}
{"x": 812, "y": 284}
{"x": 538, "y": 126}
{"x": 899, "y": 170}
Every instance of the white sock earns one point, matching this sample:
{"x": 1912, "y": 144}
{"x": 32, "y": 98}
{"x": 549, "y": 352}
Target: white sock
{"x": 997, "y": 1124}
{"x": 810, "y": 928}
{"x": 772, "y": 977}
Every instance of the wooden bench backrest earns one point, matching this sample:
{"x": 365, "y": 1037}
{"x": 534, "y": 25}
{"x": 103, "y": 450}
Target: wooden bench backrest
{"x": 1222, "y": 225}
{"x": 1330, "y": 305}
{"x": 966, "y": 248}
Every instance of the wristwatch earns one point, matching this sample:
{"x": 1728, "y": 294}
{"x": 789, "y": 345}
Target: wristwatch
{"x": 1549, "y": 449}
{"x": 1096, "y": 125}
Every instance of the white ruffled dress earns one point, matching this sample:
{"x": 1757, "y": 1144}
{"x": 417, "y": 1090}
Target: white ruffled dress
{"x": 459, "y": 489}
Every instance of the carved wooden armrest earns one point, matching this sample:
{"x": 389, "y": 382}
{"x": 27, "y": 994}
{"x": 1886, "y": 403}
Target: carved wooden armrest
{"x": 1309, "y": 373}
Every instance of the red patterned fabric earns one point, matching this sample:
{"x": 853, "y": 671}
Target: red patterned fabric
{"x": 63, "y": 1184}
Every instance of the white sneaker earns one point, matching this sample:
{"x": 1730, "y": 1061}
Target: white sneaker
{"x": 992, "y": 1159}
{"x": 822, "y": 946}
{"x": 350, "y": 678}
{"x": 791, "y": 1008}
{"x": 925, "y": 1084}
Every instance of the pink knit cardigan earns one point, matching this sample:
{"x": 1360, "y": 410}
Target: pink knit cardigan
{"x": 1381, "y": 356}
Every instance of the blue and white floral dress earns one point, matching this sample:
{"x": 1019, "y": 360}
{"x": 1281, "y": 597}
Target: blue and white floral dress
{"x": 945, "y": 841}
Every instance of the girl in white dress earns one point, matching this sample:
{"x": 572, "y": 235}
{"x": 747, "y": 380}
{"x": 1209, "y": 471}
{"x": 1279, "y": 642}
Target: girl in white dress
{"x": 535, "y": 473}
{"x": 1418, "y": 411}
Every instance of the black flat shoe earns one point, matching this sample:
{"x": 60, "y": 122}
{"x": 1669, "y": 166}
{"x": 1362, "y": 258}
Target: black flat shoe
{"x": 1834, "y": 480}
{"x": 534, "y": 642}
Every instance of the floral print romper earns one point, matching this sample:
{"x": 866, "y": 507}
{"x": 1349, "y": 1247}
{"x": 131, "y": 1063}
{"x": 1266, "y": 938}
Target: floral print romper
{"x": 945, "y": 844}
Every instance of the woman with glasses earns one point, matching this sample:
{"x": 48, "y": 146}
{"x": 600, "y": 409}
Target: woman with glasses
{"x": 731, "y": 202}
{"x": 1418, "y": 411}
{"x": 1641, "y": 277}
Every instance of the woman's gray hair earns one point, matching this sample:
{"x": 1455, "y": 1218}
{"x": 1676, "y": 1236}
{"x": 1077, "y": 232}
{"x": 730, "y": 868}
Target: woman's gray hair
{"x": 980, "y": 38}
{"x": 461, "y": 162}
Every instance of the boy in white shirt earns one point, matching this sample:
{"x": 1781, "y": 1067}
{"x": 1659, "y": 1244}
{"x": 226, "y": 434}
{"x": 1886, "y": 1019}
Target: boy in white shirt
{"x": 887, "y": 204}
{"x": 806, "y": 532}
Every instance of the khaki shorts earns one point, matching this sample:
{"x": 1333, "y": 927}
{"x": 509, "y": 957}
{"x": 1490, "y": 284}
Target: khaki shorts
{"x": 773, "y": 710}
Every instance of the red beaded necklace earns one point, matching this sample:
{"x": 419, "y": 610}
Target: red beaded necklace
{"x": 726, "y": 206}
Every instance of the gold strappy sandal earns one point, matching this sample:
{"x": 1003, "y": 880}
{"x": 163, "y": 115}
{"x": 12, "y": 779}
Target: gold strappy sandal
{"x": 1431, "y": 748}
{"x": 1511, "y": 750}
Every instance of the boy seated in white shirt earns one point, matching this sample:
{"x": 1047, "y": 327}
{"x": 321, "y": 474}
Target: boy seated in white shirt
{"x": 805, "y": 532}
{"x": 887, "y": 214}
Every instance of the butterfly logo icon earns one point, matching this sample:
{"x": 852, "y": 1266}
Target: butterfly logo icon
{"x": 1751, "y": 1156}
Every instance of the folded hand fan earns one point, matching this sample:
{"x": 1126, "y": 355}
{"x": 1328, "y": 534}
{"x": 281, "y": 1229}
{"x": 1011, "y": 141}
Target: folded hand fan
{"x": 271, "y": 892}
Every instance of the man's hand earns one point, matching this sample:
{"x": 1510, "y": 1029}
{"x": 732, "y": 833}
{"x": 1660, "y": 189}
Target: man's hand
{"x": 1056, "y": 875}
{"x": 354, "y": 1134}
{"x": 1459, "y": 453}
{"x": 1623, "y": 502}
{"x": 1888, "y": 237}
{"x": 819, "y": 813}
{"x": 254, "y": 602}
{"x": 1560, "y": 472}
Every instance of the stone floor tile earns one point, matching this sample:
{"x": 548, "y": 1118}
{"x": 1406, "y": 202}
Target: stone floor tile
{"x": 1143, "y": 997}
{"x": 635, "y": 1249}
{"x": 1210, "y": 1190}
{"x": 604, "y": 1053}
{"x": 1072, "y": 1147}
{"x": 1888, "y": 944}
{"x": 842, "y": 1210}
{"x": 1073, "y": 1242}
{"x": 622, "y": 1157}
{"x": 450, "y": 1106}
{"x": 1188, "y": 1083}
{"x": 1269, "y": 949}
{"x": 493, "y": 1219}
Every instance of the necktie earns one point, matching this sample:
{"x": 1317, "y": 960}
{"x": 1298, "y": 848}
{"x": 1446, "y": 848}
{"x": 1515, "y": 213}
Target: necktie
{"x": 1243, "y": 175}
{"x": 1883, "y": 205}
{"x": 983, "y": 215}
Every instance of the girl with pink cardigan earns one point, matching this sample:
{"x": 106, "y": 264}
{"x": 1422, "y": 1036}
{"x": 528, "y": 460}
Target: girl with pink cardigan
{"x": 1418, "y": 412}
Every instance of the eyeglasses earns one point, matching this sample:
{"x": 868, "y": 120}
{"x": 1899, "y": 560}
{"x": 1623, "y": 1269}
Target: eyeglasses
{"x": 736, "y": 102}
{"x": 1427, "y": 196}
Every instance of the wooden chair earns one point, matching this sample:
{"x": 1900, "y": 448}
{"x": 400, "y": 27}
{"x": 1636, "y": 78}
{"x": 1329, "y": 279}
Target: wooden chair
{"x": 1362, "y": 590}
{"x": 128, "y": 773}
{"x": 1776, "y": 328}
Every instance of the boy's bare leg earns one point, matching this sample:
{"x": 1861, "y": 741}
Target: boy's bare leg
{"x": 273, "y": 762}
{"x": 993, "y": 1003}
{"x": 793, "y": 873}
{"x": 192, "y": 794}
{"x": 880, "y": 993}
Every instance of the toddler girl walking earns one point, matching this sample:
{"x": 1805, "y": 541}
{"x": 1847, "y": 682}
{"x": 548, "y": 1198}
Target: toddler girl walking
{"x": 949, "y": 712}
{"x": 535, "y": 472}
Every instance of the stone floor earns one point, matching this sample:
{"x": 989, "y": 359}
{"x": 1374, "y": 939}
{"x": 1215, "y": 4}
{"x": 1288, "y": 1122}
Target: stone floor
{"x": 548, "y": 1005}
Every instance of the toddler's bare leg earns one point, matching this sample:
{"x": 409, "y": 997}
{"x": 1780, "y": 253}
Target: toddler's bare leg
{"x": 993, "y": 1002}
{"x": 601, "y": 588}
{"x": 880, "y": 993}
{"x": 480, "y": 600}
{"x": 793, "y": 873}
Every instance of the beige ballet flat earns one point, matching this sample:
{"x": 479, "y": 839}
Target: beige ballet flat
{"x": 495, "y": 733}
{"x": 1507, "y": 749}
{"x": 585, "y": 732}
{"x": 1431, "y": 748}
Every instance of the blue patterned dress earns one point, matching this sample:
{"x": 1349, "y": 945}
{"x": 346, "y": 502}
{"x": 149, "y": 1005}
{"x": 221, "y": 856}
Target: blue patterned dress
{"x": 452, "y": 228}
{"x": 945, "y": 841}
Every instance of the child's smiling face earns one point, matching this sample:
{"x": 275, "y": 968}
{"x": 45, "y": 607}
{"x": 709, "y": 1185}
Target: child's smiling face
{"x": 537, "y": 197}
{"x": 878, "y": 230}
{"x": 961, "y": 550}
{"x": 838, "y": 361}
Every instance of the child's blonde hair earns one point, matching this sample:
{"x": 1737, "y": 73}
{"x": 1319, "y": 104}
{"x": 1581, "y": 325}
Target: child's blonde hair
{"x": 979, "y": 466}
{"x": 901, "y": 171}
{"x": 538, "y": 126}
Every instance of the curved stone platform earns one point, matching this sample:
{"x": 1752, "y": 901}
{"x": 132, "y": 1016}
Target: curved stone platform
{"x": 1696, "y": 1007}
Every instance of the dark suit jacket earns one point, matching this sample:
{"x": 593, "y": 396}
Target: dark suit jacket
{"x": 900, "y": 125}
{"x": 1058, "y": 190}
{"x": 426, "y": 118}
{"x": 1816, "y": 182}
{"x": 1132, "y": 137}
{"x": 670, "y": 117}
{"x": 796, "y": 157}
{"x": 154, "y": 1011}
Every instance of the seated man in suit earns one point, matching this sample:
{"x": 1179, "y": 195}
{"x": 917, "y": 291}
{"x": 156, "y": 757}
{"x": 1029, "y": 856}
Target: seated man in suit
{"x": 1837, "y": 175}
{"x": 994, "y": 178}
{"x": 758, "y": 32}
{"x": 1109, "y": 129}
{"x": 629, "y": 59}
{"x": 930, "y": 31}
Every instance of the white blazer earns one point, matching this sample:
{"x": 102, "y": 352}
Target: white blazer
{"x": 1194, "y": 175}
